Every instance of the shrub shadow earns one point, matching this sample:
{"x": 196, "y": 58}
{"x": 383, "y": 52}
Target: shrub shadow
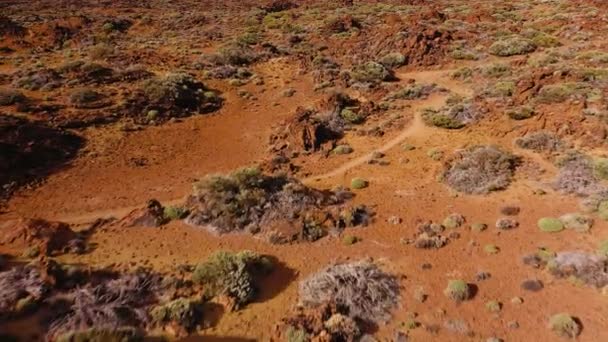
{"x": 273, "y": 284}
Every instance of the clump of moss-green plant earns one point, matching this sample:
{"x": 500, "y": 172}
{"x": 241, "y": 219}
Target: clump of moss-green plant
{"x": 174, "y": 212}
{"x": 350, "y": 115}
{"x": 560, "y": 92}
{"x": 457, "y": 113}
{"x": 600, "y": 168}
{"x": 393, "y": 60}
{"x": 412, "y": 92}
{"x": 457, "y": 290}
{"x": 435, "y": 154}
{"x": 491, "y": 249}
{"x": 186, "y": 313}
{"x": 603, "y": 248}
{"x": 232, "y": 274}
{"x": 521, "y": 113}
{"x": 479, "y": 227}
{"x": 296, "y": 335}
{"x": 550, "y": 225}
{"x": 342, "y": 149}
{"x": 453, "y": 221}
{"x": 493, "y": 306}
{"x": 564, "y": 325}
{"x": 511, "y": 46}
{"x": 370, "y": 72}
{"x": 464, "y": 53}
{"x": 501, "y": 89}
{"x": 462, "y": 74}
{"x": 358, "y": 183}
{"x": 348, "y": 240}
{"x": 497, "y": 70}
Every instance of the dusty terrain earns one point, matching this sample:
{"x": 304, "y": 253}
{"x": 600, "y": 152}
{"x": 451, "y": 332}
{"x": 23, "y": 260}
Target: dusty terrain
{"x": 125, "y": 128}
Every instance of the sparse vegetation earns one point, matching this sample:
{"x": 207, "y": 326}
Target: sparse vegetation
{"x": 359, "y": 183}
{"x": 455, "y": 115}
{"x": 370, "y": 72}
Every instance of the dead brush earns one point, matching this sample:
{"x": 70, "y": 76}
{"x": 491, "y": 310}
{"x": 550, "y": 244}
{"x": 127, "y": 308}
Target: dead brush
{"x": 480, "y": 170}
{"x": 20, "y": 283}
{"x": 111, "y": 304}
{"x": 365, "y": 291}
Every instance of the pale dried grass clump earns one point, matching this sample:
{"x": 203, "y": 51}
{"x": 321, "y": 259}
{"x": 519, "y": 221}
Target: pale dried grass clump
{"x": 110, "y": 305}
{"x": 361, "y": 287}
{"x": 19, "y": 283}
{"x": 480, "y": 170}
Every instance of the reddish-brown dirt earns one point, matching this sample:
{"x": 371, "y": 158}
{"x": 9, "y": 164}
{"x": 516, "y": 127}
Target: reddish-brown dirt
{"x": 65, "y": 169}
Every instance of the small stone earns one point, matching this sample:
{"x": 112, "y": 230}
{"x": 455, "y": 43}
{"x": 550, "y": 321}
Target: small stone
{"x": 510, "y": 210}
{"x": 533, "y": 285}
{"x": 394, "y": 220}
{"x": 513, "y": 325}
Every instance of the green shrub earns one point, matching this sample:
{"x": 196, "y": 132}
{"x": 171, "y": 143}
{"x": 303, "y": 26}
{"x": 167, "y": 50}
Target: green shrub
{"x": 453, "y": 221}
{"x": 348, "y": 240}
{"x": 564, "y": 325}
{"x": 550, "y": 225}
{"x": 393, "y": 60}
{"x": 359, "y": 183}
{"x": 463, "y": 53}
{"x": 497, "y": 70}
{"x": 232, "y": 274}
{"x": 174, "y": 213}
{"x": 603, "y": 248}
{"x": 511, "y": 46}
{"x": 187, "y": 313}
{"x": 435, "y": 118}
{"x": 479, "y": 227}
{"x": 342, "y": 149}
{"x": 370, "y": 72}
{"x": 491, "y": 249}
{"x": 521, "y": 113}
{"x": 557, "y": 93}
{"x": 501, "y": 89}
{"x": 84, "y": 96}
{"x": 351, "y": 116}
{"x": 297, "y": 335}
{"x": 600, "y": 168}
{"x": 462, "y": 73}
{"x": 493, "y": 306}
{"x": 457, "y": 290}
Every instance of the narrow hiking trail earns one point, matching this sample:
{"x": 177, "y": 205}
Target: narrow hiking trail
{"x": 416, "y": 128}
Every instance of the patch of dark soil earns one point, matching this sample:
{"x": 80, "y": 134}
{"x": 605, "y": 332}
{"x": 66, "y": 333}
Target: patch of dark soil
{"x": 30, "y": 150}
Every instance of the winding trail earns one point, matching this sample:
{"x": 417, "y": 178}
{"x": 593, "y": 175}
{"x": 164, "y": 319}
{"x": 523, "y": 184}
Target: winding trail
{"x": 416, "y": 128}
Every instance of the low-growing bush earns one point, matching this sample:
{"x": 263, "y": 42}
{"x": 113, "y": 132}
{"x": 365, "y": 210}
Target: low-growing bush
{"x": 457, "y": 113}
{"x": 564, "y": 325}
{"x": 521, "y": 113}
{"x": 232, "y": 274}
{"x": 557, "y": 93}
{"x": 577, "y": 222}
{"x": 480, "y": 169}
{"x": 539, "y": 141}
{"x": 186, "y": 313}
{"x": 370, "y": 72}
{"x": 513, "y": 45}
{"x": 358, "y": 183}
{"x": 550, "y": 225}
{"x": 365, "y": 291}
{"x": 393, "y": 60}
{"x": 576, "y": 176}
{"x": 176, "y": 94}
{"x": 458, "y": 290}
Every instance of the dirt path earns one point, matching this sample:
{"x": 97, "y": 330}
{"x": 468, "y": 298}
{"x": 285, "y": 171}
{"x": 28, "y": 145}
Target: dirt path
{"x": 416, "y": 128}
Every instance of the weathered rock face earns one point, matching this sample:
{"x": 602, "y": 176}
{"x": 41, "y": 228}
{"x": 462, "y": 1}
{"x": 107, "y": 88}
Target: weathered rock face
{"x": 49, "y": 237}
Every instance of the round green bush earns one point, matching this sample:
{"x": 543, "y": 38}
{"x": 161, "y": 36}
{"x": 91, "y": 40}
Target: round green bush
{"x": 458, "y": 290}
{"x": 564, "y": 325}
{"x": 550, "y": 225}
{"x": 359, "y": 183}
